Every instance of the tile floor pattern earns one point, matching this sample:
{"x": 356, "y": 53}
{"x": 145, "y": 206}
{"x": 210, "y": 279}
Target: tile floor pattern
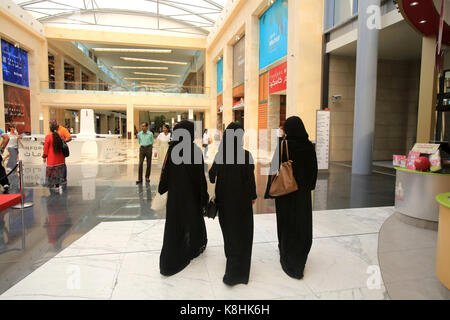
{"x": 407, "y": 256}
{"x": 120, "y": 260}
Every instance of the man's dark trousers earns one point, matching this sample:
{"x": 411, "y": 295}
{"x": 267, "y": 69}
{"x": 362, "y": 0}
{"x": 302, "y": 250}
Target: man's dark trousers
{"x": 145, "y": 152}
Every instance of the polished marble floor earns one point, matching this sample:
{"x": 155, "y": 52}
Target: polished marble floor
{"x": 120, "y": 260}
{"x": 105, "y": 192}
{"x": 407, "y": 255}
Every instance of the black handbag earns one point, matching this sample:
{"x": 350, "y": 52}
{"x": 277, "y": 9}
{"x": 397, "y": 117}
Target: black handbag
{"x": 211, "y": 209}
{"x": 65, "y": 148}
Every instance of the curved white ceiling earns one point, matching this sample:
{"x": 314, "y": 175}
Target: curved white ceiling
{"x": 193, "y": 16}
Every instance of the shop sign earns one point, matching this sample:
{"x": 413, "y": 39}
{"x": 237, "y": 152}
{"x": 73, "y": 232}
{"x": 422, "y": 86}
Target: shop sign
{"x": 428, "y": 148}
{"x": 239, "y": 62}
{"x": 14, "y": 64}
{"x": 278, "y": 78}
{"x": 273, "y": 32}
{"x": 220, "y": 76}
{"x": 31, "y": 152}
{"x": 17, "y": 107}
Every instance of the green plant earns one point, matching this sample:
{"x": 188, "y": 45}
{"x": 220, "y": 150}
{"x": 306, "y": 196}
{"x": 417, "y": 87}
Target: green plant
{"x": 159, "y": 122}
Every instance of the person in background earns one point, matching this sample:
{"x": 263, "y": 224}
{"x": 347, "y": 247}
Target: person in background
{"x": 71, "y": 130}
{"x": 64, "y": 134}
{"x": 13, "y": 147}
{"x": 145, "y": 139}
{"x": 205, "y": 143}
{"x": 280, "y": 132}
{"x": 163, "y": 143}
{"x": 173, "y": 127}
{"x": 54, "y": 157}
{"x": 294, "y": 210}
{"x": 235, "y": 195}
{"x": 187, "y": 196}
{"x": 3, "y": 179}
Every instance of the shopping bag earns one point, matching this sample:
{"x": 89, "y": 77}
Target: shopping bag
{"x": 155, "y": 154}
{"x": 43, "y": 175}
{"x": 159, "y": 201}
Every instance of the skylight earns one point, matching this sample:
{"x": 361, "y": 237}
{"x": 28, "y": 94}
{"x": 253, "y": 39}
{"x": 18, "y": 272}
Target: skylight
{"x": 190, "y": 16}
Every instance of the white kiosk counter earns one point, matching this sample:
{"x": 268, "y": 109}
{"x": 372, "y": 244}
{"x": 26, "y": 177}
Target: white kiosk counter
{"x": 416, "y": 191}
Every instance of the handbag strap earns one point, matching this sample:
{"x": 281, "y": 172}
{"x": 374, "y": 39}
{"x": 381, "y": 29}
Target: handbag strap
{"x": 284, "y": 141}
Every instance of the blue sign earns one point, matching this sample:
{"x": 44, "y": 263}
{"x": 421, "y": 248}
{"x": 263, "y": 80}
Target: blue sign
{"x": 14, "y": 64}
{"x": 220, "y": 76}
{"x": 273, "y": 31}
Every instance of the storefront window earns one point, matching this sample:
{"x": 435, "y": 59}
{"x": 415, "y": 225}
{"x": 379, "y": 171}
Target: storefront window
{"x": 338, "y": 11}
{"x": 343, "y": 9}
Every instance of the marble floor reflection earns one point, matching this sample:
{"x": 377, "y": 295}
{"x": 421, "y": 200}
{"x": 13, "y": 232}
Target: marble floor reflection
{"x": 120, "y": 260}
{"x": 105, "y": 192}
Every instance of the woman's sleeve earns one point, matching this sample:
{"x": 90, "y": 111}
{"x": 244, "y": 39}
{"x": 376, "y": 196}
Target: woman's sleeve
{"x": 251, "y": 176}
{"x": 204, "y": 196}
{"x": 274, "y": 166}
{"x": 213, "y": 173}
{"x": 46, "y": 146}
{"x": 313, "y": 169}
{"x": 164, "y": 178}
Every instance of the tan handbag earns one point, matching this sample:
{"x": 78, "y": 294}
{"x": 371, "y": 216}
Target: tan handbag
{"x": 283, "y": 182}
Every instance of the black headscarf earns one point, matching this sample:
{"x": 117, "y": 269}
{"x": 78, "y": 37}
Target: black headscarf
{"x": 186, "y": 125}
{"x": 295, "y": 130}
{"x": 238, "y": 145}
{"x": 189, "y": 126}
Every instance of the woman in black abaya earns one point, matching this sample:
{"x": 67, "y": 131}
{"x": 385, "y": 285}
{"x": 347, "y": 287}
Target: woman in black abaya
{"x": 235, "y": 193}
{"x": 294, "y": 211}
{"x": 184, "y": 231}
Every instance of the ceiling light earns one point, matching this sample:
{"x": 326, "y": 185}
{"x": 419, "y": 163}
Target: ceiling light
{"x": 423, "y": 21}
{"x": 130, "y": 67}
{"x": 159, "y": 83}
{"x": 158, "y": 74}
{"x": 132, "y": 50}
{"x": 415, "y": 3}
{"x": 155, "y": 61}
{"x": 144, "y": 79}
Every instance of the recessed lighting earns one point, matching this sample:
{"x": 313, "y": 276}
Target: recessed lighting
{"x": 415, "y": 3}
{"x": 162, "y": 79}
{"x": 423, "y": 21}
{"x": 159, "y": 83}
{"x": 154, "y": 61}
{"x": 130, "y": 67}
{"x": 158, "y": 74}
{"x": 132, "y": 50}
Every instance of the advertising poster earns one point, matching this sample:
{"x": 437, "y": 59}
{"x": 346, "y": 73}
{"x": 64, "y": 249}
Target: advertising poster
{"x": 220, "y": 76}
{"x": 273, "y": 29}
{"x": 278, "y": 78}
{"x": 17, "y": 107}
{"x": 14, "y": 64}
{"x": 239, "y": 62}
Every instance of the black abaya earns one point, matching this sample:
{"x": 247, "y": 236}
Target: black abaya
{"x": 235, "y": 190}
{"x": 294, "y": 211}
{"x": 184, "y": 231}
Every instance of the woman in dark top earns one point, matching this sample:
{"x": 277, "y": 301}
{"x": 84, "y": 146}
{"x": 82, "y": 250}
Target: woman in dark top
{"x": 185, "y": 231}
{"x": 294, "y": 210}
{"x": 235, "y": 194}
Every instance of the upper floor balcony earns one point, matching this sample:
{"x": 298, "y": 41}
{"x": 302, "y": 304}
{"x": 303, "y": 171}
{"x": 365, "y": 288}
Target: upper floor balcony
{"x": 151, "y": 89}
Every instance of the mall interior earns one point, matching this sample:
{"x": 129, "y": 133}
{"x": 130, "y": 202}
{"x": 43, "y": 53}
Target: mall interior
{"x": 367, "y": 77}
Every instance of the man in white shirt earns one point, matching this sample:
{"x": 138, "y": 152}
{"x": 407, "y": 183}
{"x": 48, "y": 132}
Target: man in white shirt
{"x": 13, "y": 147}
{"x": 205, "y": 142}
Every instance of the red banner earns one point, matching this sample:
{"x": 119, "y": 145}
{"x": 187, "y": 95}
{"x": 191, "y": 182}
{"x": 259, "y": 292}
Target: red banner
{"x": 278, "y": 78}
{"x": 17, "y": 108}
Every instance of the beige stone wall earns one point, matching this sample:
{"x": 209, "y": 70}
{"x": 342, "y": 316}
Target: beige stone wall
{"x": 304, "y": 58}
{"x": 396, "y": 108}
{"x": 19, "y": 27}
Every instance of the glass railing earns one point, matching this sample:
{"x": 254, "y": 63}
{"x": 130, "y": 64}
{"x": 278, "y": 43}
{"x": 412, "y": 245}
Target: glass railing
{"x": 116, "y": 87}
